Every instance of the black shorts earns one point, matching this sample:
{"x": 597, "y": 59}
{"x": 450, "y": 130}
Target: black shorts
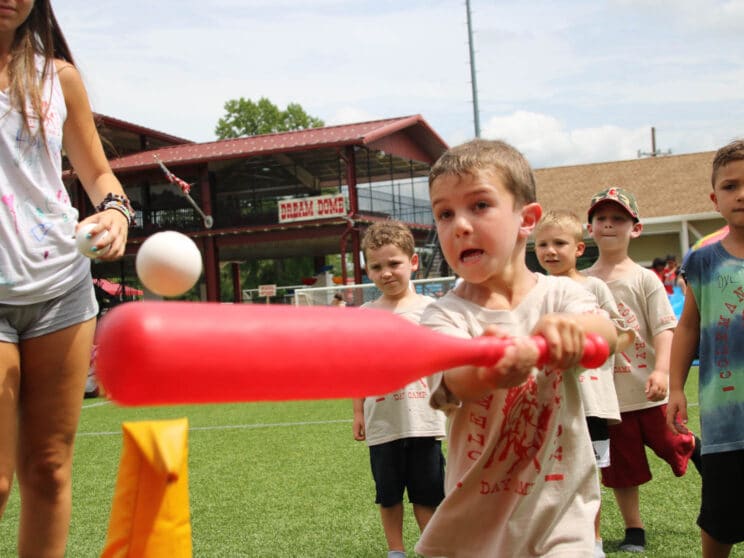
{"x": 599, "y": 428}
{"x": 412, "y": 464}
{"x": 721, "y": 511}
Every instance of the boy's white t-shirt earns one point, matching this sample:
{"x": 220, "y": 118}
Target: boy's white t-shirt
{"x": 644, "y": 305}
{"x": 405, "y": 413}
{"x": 598, "y": 385}
{"x": 521, "y": 478}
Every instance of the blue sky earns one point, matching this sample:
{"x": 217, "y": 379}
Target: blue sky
{"x": 567, "y": 82}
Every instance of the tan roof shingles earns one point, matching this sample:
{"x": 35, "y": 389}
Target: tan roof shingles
{"x": 663, "y": 186}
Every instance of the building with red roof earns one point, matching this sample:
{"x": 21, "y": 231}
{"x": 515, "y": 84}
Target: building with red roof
{"x": 307, "y": 192}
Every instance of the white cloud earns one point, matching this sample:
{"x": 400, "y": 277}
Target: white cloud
{"x": 348, "y": 115}
{"x": 700, "y": 16}
{"x": 592, "y": 77}
{"x": 546, "y": 142}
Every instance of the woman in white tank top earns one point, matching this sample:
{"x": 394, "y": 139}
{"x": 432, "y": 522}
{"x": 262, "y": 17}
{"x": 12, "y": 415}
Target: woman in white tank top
{"x": 47, "y": 310}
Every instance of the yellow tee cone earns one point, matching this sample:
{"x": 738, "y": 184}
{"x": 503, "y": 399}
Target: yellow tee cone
{"x": 150, "y": 511}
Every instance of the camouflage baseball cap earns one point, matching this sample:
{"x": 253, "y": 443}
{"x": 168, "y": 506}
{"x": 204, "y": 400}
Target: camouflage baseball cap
{"x": 623, "y": 198}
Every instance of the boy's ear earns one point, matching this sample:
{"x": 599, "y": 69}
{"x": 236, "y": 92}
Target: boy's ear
{"x": 580, "y": 247}
{"x": 714, "y": 199}
{"x": 414, "y": 262}
{"x": 531, "y": 214}
{"x": 635, "y": 232}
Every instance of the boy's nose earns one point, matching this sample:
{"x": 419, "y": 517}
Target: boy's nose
{"x": 462, "y": 226}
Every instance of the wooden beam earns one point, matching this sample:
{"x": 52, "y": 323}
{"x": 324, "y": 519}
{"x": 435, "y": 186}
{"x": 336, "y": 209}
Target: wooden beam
{"x": 301, "y": 173}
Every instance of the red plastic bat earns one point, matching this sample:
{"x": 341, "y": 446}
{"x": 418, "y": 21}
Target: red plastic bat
{"x": 154, "y": 353}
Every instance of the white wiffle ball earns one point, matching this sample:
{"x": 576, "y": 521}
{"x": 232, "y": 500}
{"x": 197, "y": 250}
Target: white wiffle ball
{"x": 85, "y": 244}
{"x": 168, "y": 263}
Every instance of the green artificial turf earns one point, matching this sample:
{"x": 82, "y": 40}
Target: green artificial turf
{"x": 288, "y": 480}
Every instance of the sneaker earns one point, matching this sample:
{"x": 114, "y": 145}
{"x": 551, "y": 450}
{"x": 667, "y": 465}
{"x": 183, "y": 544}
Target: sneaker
{"x": 396, "y": 554}
{"x": 634, "y": 541}
{"x": 91, "y": 386}
{"x": 599, "y": 550}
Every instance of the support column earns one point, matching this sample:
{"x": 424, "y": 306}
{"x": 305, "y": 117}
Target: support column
{"x": 211, "y": 269}
{"x": 356, "y": 246}
{"x": 684, "y": 239}
{"x": 211, "y": 252}
{"x": 349, "y": 158}
{"x": 237, "y": 287}
{"x": 351, "y": 180}
{"x": 205, "y": 190}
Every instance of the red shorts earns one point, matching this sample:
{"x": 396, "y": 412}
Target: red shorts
{"x": 646, "y": 427}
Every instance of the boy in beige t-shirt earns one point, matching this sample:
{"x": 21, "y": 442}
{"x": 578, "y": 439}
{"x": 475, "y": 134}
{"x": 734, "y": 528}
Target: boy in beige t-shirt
{"x": 402, "y": 431}
{"x": 521, "y": 479}
{"x": 642, "y": 371}
{"x": 558, "y": 244}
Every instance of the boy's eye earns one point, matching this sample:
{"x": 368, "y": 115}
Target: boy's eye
{"x": 482, "y": 205}
{"x": 444, "y": 215}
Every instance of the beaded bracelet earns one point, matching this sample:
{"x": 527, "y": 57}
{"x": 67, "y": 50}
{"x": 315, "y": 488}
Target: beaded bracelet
{"x": 119, "y": 203}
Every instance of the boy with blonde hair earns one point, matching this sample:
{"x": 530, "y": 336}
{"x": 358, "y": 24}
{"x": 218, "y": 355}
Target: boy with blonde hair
{"x": 641, "y": 372}
{"x": 712, "y": 319}
{"x": 559, "y": 242}
{"x": 521, "y": 479}
{"x": 402, "y": 431}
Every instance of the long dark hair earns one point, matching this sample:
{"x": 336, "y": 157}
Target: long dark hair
{"x": 40, "y": 35}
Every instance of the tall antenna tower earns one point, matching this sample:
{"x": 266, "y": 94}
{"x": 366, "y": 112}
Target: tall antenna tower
{"x": 473, "y": 80}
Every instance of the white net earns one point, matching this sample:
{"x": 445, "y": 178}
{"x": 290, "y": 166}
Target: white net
{"x": 356, "y": 295}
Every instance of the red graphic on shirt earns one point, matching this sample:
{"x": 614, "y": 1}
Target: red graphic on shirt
{"x": 8, "y": 200}
{"x": 527, "y": 418}
{"x": 639, "y": 356}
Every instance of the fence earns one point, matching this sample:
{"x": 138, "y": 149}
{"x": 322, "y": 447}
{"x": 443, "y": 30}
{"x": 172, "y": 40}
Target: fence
{"x": 356, "y": 295}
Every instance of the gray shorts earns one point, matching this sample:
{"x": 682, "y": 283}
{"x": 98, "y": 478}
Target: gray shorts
{"x": 34, "y": 320}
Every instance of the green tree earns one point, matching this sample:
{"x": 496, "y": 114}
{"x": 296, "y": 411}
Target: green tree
{"x": 244, "y": 117}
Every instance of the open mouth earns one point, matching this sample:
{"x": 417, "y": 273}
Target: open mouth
{"x": 470, "y": 255}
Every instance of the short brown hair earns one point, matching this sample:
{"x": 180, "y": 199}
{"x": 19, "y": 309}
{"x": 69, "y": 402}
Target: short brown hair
{"x": 392, "y": 232}
{"x": 563, "y": 219}
{"x": 496, "y": 156}
{"x": 733, "y": 151}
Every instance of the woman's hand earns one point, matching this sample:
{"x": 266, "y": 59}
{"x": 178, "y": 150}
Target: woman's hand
{"x": 116, "y": 225}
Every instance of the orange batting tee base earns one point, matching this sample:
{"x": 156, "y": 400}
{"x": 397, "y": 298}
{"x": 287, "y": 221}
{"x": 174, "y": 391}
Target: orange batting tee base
{"x": 150, "y": 511}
